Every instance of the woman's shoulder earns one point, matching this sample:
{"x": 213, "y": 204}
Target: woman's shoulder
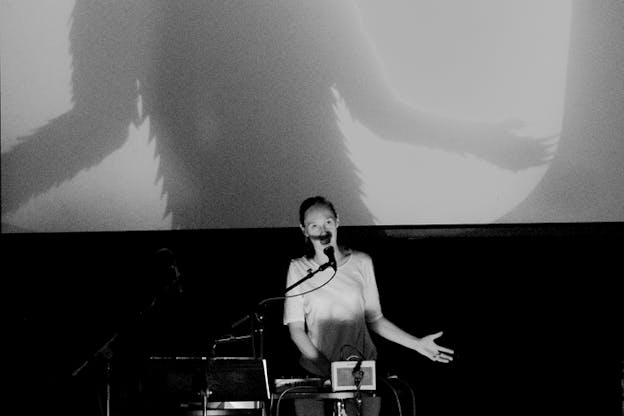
{"x": 303, "y": 262}
{"x": 354, "y": 254}
{"x": 357, "y": 255}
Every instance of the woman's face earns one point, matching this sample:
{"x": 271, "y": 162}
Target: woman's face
{"x": 320, "y": 225}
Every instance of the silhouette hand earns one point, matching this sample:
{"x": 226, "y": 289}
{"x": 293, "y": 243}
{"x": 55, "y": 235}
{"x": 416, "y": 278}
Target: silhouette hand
{"x": 499, "y": 144}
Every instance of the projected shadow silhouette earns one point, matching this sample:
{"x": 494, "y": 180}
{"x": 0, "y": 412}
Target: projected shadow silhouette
{"x": 240, "y": 99}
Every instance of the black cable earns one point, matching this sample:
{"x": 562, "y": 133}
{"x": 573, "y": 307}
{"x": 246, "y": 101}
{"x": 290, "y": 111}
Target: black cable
{"x": 409, "y": 387}
{"x": 312, "y": 290}
{"x": 359, "y": 353}
{"x": 396, "y": 395}
{"x": 263, "y": 301}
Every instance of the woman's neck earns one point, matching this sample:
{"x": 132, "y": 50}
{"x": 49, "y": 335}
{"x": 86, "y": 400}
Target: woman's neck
{"x": 340, "y": 255}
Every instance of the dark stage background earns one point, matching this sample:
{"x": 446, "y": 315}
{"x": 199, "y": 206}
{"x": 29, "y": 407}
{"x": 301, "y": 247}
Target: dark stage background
{"x": 533, "y": 312}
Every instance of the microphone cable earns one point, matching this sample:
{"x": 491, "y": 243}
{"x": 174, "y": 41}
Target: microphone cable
{"x": 411, "y": 390}
{"x": 396, "y": 395}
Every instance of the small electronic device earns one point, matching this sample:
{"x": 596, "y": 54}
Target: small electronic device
{"x": 353, "y": 375}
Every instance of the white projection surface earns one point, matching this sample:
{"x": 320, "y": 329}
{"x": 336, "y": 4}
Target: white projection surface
{"x": 478, "y": 61}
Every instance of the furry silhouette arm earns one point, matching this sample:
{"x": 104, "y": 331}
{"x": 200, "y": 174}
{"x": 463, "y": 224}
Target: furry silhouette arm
{"x": 103, "y": 43}
{"x": 360, "y": 81}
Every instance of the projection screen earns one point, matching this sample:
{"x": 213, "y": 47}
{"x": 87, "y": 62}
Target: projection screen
{"x": 157, "y": 115}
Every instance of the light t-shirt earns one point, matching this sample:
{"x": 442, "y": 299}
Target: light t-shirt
{"x": 336, "y": 315}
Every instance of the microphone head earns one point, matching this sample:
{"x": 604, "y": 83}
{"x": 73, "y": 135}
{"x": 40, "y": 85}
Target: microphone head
{"x": 329, "y": 252}
{"x": 164, "y": 257}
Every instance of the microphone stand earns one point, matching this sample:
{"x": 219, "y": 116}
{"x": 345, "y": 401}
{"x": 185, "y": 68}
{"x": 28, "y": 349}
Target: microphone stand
{"x": 256, "y": 335}
{"x": 106, "y": 351}
{"x": 358, "y": 375}
{"x": 257, "y": 317}
{"x": 309, "y": 275}
{"x": 257, "y": 322}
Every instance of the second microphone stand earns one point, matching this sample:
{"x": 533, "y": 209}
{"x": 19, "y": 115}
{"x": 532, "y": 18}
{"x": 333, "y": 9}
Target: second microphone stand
{"x": 106, "y": 350}
{"x": 256, "y": 317}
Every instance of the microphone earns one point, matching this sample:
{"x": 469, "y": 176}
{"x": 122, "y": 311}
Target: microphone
{"x": 241, "y": 321}
{"x": 329, "y": 252}
{"x": 164, "y": 257}
{"x": 166, "y": 262}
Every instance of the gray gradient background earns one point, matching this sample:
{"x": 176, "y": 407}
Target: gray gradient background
{"x": 244, "y": 126}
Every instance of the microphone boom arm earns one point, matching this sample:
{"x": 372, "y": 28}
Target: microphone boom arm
{"x": 308, "y": 276}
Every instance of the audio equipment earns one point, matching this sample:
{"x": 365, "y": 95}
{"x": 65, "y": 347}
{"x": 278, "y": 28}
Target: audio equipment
{"x": 353, "y": 375}
{"x": 220, "y": 378}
